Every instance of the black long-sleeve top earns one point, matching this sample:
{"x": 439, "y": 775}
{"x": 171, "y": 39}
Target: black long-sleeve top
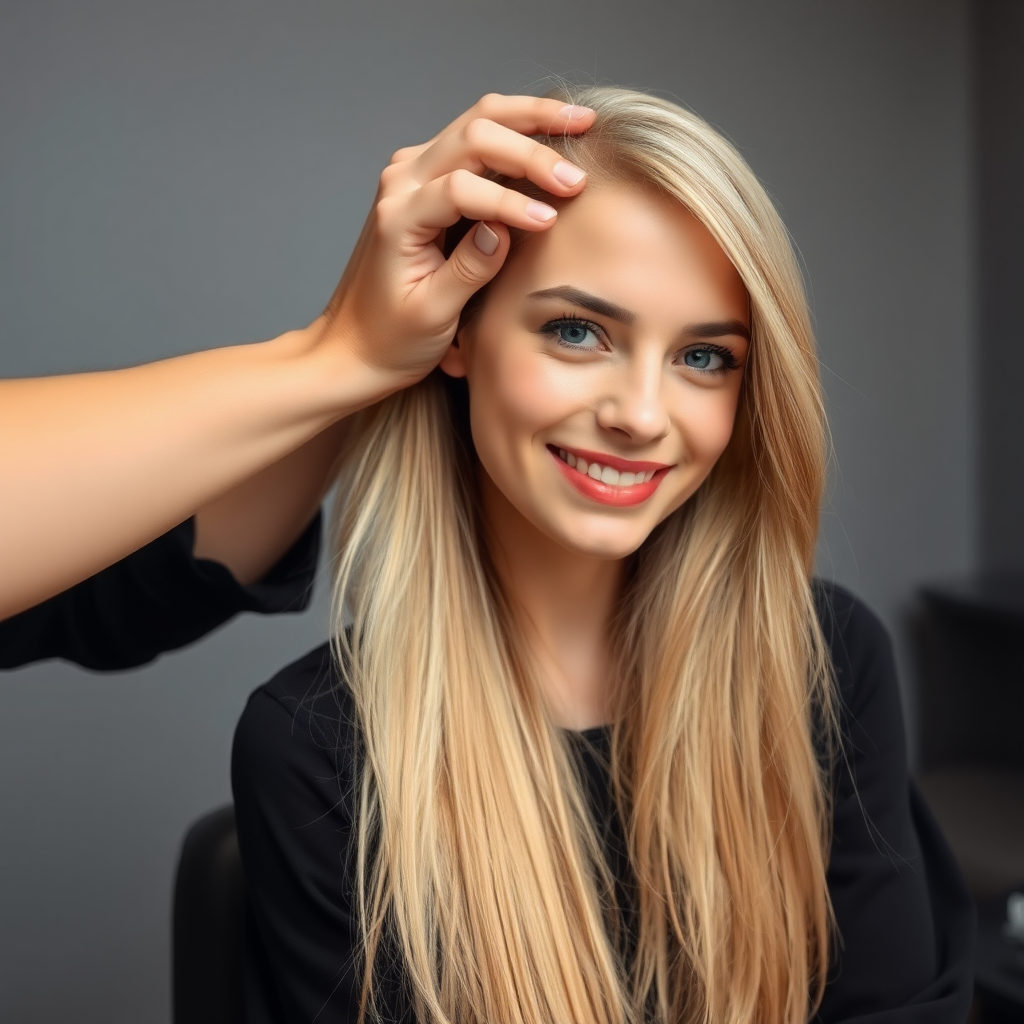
{"x": 905, "y": 917}
{"x": 156, "y": 599}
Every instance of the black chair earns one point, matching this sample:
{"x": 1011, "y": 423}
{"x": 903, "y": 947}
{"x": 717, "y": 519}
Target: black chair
{"x": 209, "y": 924}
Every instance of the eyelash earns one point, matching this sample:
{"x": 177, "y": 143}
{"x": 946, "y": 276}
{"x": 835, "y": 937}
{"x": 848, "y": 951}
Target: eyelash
{"x": 550, "y": 329}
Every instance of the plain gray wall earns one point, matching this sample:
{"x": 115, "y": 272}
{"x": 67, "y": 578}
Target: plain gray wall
{"x": 178, "y": 175}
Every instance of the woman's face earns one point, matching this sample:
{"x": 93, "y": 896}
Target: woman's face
{"x": 604, "y": 369}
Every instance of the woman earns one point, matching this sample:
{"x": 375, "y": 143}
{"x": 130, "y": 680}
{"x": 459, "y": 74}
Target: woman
{"x": 594, "y": 746}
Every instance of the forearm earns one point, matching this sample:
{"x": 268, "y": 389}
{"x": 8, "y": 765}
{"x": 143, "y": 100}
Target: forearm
{"x": 250, "y": 527}
{"x": 92, "y": 466}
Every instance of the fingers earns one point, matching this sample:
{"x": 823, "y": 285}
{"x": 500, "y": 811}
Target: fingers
{"x": 419, "y": 215}
{"x": 492, "y": 134}
{"x": 474, "y": 261}
{"x": 528, "y": 115}
{"x": 480, "y": 144}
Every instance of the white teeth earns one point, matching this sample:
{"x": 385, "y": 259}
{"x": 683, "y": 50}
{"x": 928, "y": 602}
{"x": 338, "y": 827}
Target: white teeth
{"x": 604, "y": 474}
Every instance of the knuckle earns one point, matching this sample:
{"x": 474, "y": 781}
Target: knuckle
{"x": 384, "y": 213}
{"x": 463, "y": 268}
{"x": 459, "y": 181}
{"x": 512, "y": 207}
{"x": 489, "y": 103}
{"x": 388, "y": 176}
{"x": 399, "y": 156}
{"x": 539, "y": 158}
{"x": 476, "y": 131}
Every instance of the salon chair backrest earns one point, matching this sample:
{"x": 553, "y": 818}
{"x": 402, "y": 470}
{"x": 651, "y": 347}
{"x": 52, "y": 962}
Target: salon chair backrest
{"x": 209, "y": 924}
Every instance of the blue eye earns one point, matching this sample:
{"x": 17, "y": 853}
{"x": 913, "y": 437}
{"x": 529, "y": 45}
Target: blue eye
{"x": 703, "y": 359}
{"x": 572, "y": 332}
{"x": 710, "y": 359}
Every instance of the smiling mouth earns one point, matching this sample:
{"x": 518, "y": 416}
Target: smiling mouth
{"x": 604, "y": 474}
{"x": 609, "y": 485}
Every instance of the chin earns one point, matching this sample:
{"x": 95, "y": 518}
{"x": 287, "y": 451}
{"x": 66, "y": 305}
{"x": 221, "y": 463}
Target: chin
{"x": 609, "y": 547}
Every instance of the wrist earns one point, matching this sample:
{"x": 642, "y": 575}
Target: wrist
{"x": 340, "y": 381}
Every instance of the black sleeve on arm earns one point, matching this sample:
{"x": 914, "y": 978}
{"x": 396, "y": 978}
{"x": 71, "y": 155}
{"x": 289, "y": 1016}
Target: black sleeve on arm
{"x": 293, "y": 770}
{"x": 156, "y": 599}
{"x": 905, "y": 917}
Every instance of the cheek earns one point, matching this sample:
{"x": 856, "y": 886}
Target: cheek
{"x": 707, "y": 422}
{"x": 515, "y": 396}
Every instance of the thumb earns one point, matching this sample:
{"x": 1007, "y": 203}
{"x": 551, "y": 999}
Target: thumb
{"x": 474, "y": 261}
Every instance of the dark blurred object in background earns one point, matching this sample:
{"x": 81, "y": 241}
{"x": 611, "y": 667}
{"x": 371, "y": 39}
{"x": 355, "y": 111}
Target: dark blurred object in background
{"x": 999, "y": 985}
{"x": 971, "y": 705}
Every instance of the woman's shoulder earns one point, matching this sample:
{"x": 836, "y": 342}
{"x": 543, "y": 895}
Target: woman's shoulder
{"x": 859, "y": 644}
{"x": 901, "y": 908}
{"x": 294, "y": 778}
{"x": 309, "y": 687}
{"x": 868, "y": 707}
{"x": 300, "y": 724}
{"x": 306, "y": 709}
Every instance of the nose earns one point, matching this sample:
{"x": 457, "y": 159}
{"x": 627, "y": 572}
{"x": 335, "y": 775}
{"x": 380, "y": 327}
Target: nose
{"x": 634, "y": 403}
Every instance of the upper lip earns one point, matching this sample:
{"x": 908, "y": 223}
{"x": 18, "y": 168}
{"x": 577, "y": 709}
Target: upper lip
{"x": 622, "y": 465}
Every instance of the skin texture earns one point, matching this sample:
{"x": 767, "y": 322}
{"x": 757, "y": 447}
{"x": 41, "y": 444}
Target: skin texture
{"x": 95, "y": 465}
{"x": 628, "y": 390}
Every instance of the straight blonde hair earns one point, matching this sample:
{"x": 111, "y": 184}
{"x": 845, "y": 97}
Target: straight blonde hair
{"x": 475, "y": 852}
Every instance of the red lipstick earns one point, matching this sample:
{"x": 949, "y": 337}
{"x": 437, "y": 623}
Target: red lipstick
{"x": 610, "y": 494}
{"x": 622, "y": 465}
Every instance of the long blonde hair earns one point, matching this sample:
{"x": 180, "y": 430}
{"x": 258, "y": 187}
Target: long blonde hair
{"x": 475, "y": 851}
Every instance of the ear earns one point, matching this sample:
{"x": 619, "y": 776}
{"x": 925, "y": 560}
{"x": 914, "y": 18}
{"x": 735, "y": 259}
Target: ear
{"x": 453, "y": 362}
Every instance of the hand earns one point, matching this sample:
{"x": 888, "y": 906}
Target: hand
{"x": 398, "y": 302}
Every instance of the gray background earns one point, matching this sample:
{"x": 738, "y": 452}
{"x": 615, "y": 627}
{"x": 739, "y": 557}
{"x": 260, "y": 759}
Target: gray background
{"x": 179, "y": 175}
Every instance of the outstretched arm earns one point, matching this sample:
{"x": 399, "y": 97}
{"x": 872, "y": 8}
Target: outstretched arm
{"x": 92, "y": 466}
{"x": 250, "y": 527}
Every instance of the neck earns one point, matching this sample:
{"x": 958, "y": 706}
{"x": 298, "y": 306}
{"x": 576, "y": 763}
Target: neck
{"x": 565, "y": 601}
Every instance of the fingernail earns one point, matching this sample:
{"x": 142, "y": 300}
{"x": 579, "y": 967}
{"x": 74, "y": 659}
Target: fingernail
{"x": 568, "y": 174}
{"x": 541, "y": 211}
{"x": 485, "y": 239}
{"x": 573, "y": 112}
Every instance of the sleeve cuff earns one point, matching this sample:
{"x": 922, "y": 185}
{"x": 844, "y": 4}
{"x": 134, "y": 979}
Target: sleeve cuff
{"x": 287, "y": 587}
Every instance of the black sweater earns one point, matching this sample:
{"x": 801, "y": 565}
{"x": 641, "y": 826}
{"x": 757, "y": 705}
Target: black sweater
{"x": 905, "y": 917}
{"x": 156, "y": 599}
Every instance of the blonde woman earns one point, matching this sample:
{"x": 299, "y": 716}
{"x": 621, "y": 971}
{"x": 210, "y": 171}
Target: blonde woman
{"x": 594, "y": 747}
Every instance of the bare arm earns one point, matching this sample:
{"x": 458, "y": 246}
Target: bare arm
{"x": 253, "y": 525}
{"x": 92, "y": 466}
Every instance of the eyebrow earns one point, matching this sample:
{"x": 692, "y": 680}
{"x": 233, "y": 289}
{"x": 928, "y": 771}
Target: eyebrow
{"x": 710, "y": 329}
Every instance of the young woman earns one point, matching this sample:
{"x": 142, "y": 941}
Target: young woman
{"x": 593, "y": 745}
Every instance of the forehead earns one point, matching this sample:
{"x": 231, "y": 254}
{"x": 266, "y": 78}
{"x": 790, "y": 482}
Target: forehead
{"x": 639, "y": 249}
